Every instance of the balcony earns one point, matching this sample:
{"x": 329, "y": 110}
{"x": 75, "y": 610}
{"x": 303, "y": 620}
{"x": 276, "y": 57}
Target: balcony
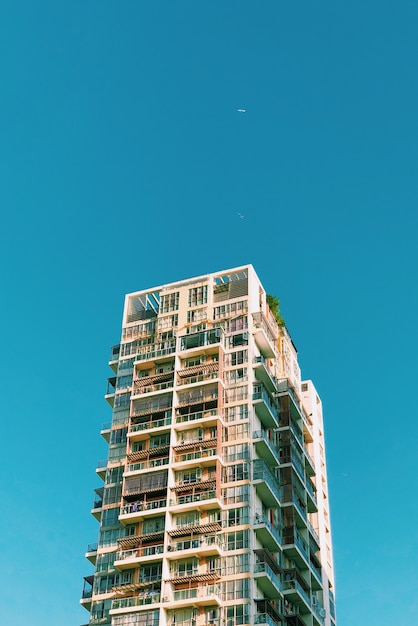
{"x": 144, "y": 598}
{"x": 114, "y": 357}
{"x": 296, "y": 594}
{"x": 126, "y": 559}
{"x": 207, "y": 455}
{"x": 157, "y": 351}
{"x": 204, "y": 595}
{"x": 295, "y": 547}
{"x": 268, "y": 536}
{"x": 200, "y": 500}
{"x": 265, "y": 407}
{"x": 265, "y": 448}
{"x": 263, "y": 373}
{"x": 91, "y": 552}
{"x": 293, "y": 459}
{"x": 149, "y": 464}
{"x": 206, "y": 341}
{"x": 263, "y": 619}
{"x": 309, "y": 464}
{"x": 101, "y": 468}
{"x": 292, "y": 497}
{"x": 311, "y": 499}
{"x": 268, "y": 580}
{"x": 106, "y": 430}
{"x": 162, "y": 423}
{"x": 141, "y": 388}
{"x": 266, "y": 484}
{"x": 205, "y": 545}
{"x": 203, "y": 418}
{"x": 265, "y": 335}
{"x": 318, "y": 612}
{"x": 139, "y": 509}
{"x": 198, "y": 373}
{"x": 98, "y": 503}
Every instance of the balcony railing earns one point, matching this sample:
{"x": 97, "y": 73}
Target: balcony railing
{"x": 150, "y": 425}
{"x": 261, "y": 519}
{"x": 134, "y": 467}
{"x": 195, "y": 593}
{"x": 263, "y": 567}
{"x": 201, "y": 339}
{"x": 264, "y": 618}
{"x": 133, "y": 507}
{"x": 122, "y": 555}
{"x": 191, "y": 456}
{"x": 261, "y": 472}
{"x": 196, "y": 497}
{"x": 205, "y": 541}
{"x": 293, "y": 584}
{"x": 191, "y": 417}
{"x": 150, "y": 597}
{"x": 139, "y": 390}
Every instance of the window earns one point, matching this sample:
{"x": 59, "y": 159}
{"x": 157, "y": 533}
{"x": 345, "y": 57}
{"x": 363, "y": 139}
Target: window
{"x": 110, "y": 517}
{"x": 161, "y": 440}
{"x": 123, "y": 382}
{"x": 169, "y": 302}
{"x": 236, "y": 517}
{"x": 233, "y": 473}
{"x": 186, "y": 568}
{"x": 122, "y": 399}
{"x": 235, "y": 589}
{"x": 233, "y": 495}
{"x": 112, "y": 495}
{"x": 154, "y": 525}
{"x": 240, "y": 431}
{"x": 238, "y": 614}
{"x": 198, "y": 295}
{"x": 239, "y": 357}
{"x": 118, "y": 436}
{"x": 237, "y": 453}
{"x": 237, "y": 540}
{"x": 239, "y": 323}
{"x": 187, "y": 519}
{"x": 237, "y": 376}
{"x": 235, "y": 413}
{"x": 170, "y": 321}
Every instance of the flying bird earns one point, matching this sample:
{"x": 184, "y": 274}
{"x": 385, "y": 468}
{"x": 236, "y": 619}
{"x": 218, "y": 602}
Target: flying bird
{"x": 242, "y": 110}
{"x": 241, "y": 216}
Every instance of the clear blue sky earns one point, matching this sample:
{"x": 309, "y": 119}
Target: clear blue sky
{"x": 123, "y": 164}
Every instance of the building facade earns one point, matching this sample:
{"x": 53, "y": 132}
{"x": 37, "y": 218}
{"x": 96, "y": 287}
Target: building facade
{"x": 214, "y": 504}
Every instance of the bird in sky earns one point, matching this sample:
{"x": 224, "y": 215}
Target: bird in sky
{"x": 241, "y": 216}
{"x": 242, "y": 110}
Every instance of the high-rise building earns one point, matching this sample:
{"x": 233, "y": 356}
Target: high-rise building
{"x": 214, "y": 503}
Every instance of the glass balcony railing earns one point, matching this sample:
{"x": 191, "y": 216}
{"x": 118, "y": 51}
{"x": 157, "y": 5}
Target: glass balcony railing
{"x": 293, "y": 584}
{"x": 264, "y": 618}
{"x": 261, "y": 472}
{"x": 201, "y": 339}
{"x": 263, "y": 567}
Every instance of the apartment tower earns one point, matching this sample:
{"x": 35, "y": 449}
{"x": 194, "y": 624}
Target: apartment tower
{"x": 214, "y": 504}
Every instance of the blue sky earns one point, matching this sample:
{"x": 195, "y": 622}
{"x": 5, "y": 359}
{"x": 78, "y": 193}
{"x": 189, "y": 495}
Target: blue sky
{"x": 123, "y": 165}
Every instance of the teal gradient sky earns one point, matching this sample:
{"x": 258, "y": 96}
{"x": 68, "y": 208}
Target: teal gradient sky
{"x": 123, "y": 165}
